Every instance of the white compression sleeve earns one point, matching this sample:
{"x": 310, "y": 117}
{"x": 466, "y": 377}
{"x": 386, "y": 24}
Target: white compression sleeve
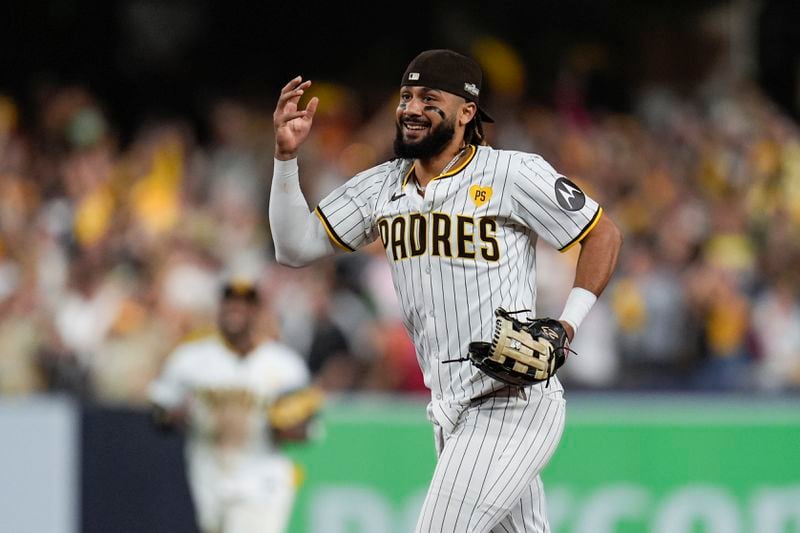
{"x": 579, "y": 302}
{"x": 297, "y": 233}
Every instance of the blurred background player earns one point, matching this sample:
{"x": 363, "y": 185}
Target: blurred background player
{"x": 238, "y": 397}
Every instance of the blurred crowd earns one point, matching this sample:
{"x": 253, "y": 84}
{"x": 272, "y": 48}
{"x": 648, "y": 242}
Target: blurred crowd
{"x": 112, "y": 250}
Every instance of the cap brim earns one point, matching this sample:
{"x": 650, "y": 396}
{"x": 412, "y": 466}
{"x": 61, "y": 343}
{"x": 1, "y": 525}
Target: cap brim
{"x": 485, "y": 117}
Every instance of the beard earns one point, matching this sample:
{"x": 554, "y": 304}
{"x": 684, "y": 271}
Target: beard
{"x": 431, "y": 145}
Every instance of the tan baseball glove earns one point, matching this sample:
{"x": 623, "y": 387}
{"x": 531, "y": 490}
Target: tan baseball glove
{"x": 521, "y": 352}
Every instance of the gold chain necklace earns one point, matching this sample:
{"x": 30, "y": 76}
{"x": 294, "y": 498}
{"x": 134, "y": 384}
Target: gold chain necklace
{"x": 447, "y": 167}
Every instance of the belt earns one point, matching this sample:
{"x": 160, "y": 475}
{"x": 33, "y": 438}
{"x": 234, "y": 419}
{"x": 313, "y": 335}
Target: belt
{"x": 506, "y": 391}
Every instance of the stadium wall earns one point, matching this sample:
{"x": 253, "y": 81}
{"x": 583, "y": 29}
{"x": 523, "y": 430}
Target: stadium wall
{"x": 631, "y": 463}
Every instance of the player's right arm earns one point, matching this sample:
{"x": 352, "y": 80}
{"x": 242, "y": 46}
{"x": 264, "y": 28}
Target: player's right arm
{"x": 292, "y": 125}
{"x": 344, "y": 219}
{"x": 168, "y": 393}
{"x": 298, "y": 235}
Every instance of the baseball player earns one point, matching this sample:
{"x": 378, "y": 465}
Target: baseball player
{"x": 225, "y": 389}
{"x": 459, "y": 221}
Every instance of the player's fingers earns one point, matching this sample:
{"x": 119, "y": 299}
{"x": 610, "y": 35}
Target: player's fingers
{"x": 292, "y": 84}
{"x": 290, "y": 116}
{"x": 293, "y": 90}
{"x": 289, "y": 99}
{"x": 311, "y": 108}
{"x": 290, "y": 96}
{"x": 287, "y": 104}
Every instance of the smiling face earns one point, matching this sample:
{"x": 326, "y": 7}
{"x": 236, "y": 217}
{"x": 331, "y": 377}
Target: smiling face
{"x": 428, "y": 120}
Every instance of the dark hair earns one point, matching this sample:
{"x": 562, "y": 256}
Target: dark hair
{"x": 244, "y": 292}
{"x": 473, "y": 132}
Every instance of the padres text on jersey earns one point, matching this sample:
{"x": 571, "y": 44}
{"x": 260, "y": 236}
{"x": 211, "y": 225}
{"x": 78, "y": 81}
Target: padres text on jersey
{"x": 463, "y": 249}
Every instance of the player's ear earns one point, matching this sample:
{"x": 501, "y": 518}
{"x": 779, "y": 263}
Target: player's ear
{"x": 467, "y": 113}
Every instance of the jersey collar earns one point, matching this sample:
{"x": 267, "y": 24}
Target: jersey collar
{"x": 455, "y": 170}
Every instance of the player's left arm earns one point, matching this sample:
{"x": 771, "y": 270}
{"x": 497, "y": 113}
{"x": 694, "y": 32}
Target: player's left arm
{"x": 598, "y": 256}
{"x": 168, "y": 394}
{"x": 563, "y": 215}
{"x": 596, "y": 263}
{"x": 293, "y": 414}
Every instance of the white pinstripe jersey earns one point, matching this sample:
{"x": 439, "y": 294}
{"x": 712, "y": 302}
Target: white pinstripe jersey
{"x": 466, "y": 248}
{"x": 228, "y": 395}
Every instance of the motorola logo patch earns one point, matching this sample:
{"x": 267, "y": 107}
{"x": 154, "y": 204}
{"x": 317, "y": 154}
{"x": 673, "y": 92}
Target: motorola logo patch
{"x": 568, "y": 195}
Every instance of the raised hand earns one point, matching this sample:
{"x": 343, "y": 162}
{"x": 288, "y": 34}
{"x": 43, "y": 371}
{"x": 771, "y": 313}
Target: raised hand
{"x": 291, "y": 124}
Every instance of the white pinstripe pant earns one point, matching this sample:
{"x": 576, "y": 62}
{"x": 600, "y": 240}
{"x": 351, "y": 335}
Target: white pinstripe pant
{"x": 487, "y": 476}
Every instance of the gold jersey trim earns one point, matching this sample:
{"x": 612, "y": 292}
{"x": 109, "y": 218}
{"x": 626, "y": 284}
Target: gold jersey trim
{"x": 589, "y": 227}
{"x": 451, "y": 172}
{"x": 332, "y": 234}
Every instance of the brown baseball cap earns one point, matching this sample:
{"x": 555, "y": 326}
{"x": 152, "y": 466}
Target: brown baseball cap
{"x": 244, "y": 289}
{"x": 449, "y": 71}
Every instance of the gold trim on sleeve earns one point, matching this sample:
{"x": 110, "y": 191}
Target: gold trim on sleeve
{"x": 589, "y": 227}
{"x": 332, "y": 234}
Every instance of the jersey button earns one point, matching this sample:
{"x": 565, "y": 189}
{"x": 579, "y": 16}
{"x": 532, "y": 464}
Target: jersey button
{"x": 428, "y": 269}
{"x": 426, "y": 206}
{"x": 438, "y": 396}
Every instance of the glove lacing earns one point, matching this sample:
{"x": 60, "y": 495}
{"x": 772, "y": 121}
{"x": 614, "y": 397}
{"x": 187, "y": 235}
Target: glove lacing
{"x": 497, "y": 311}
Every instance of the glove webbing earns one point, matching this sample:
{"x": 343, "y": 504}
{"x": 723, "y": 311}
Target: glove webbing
{"x": 499, "y": 309}
{"x": 467, "y": 358}
{"x": 540, "y": 345}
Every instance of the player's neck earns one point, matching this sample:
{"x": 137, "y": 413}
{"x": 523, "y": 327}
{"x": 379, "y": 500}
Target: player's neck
{"x": 427, "y": 169}
{"x": 241, "y": 345}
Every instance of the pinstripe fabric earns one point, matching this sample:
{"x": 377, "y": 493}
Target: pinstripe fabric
{"x": 487, "y": 476}
{"x": 465, "y": 248}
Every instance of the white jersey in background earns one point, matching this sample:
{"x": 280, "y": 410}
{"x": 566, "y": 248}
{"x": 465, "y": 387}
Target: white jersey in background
{"x": 239, "y": 479}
